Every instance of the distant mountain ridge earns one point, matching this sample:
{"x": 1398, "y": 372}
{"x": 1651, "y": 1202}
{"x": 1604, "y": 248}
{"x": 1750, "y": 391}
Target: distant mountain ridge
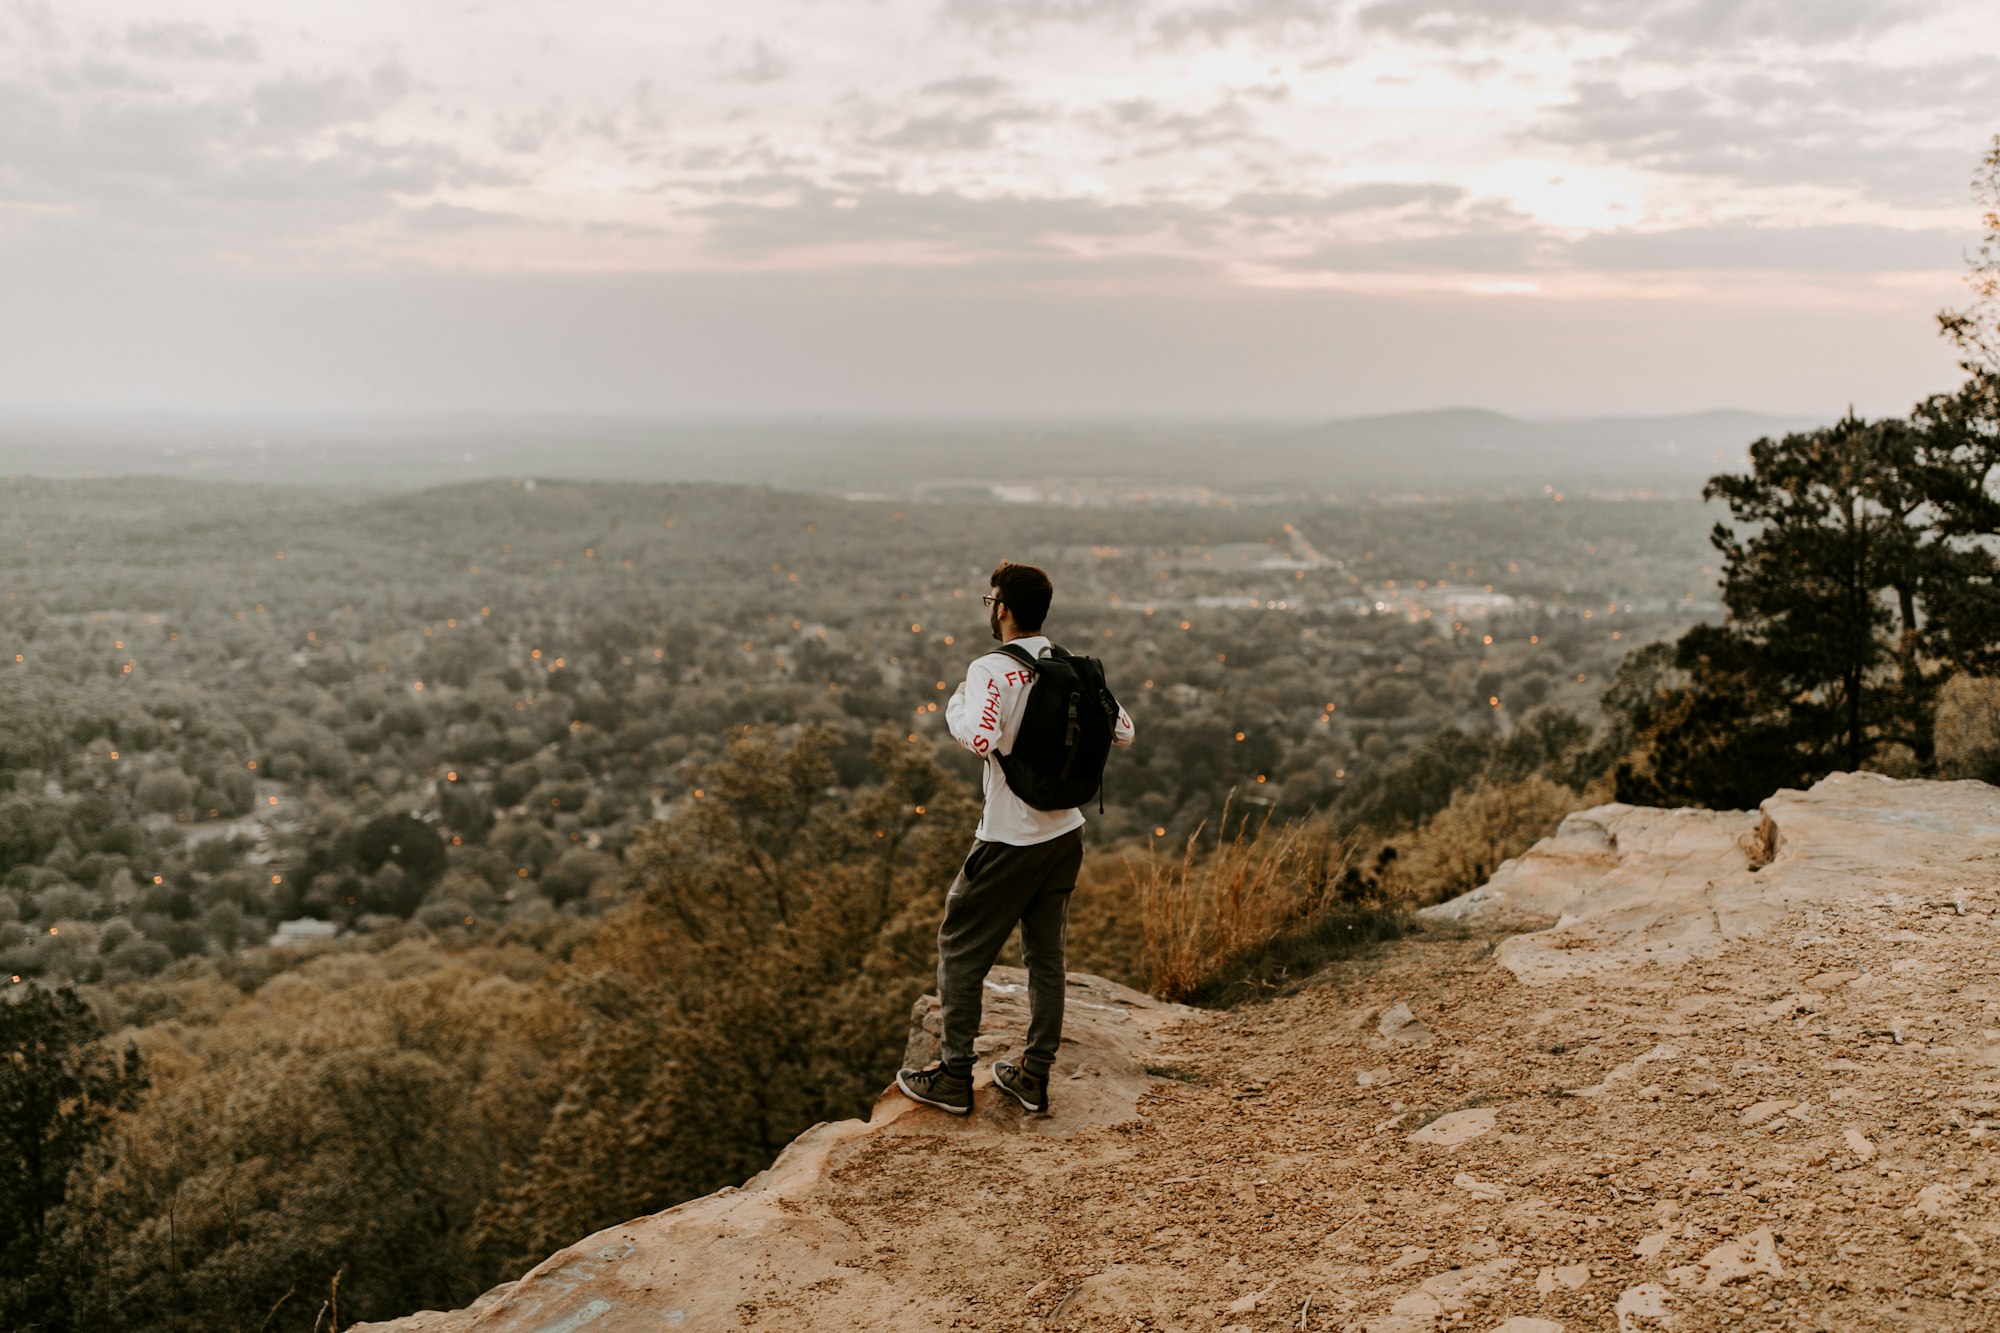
{"x": 1454, "y": 446}
{"x": 1459, "y": 450}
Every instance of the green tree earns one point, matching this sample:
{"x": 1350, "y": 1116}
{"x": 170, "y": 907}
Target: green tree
{"x": 58, "y": 1089}
{"x": 1702, "y": 725}
{"x": 1958, "y": 469}
{"x": 760, "y": 981}
{"x": 164, "y": 791}
{"x": 1822, "y": 580}
{"x": 1857, "y": 578}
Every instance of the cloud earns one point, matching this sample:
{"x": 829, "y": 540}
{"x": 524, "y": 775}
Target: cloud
{"x": 1152, "y": 128}
{"x": 1688, "y": 24}
{"x": 1839, "y": 124}
{"x": 951, "y": 132}
{"x": 970, "y": 86}
{"x": 284, "y": 162}
{"x": 1737, "y": 247}
{"x": 800, "y": 214}
{"x": 1219, "y": 22}
{"x": 1743, "y": 246}
{"x": 1383, "y": 196}
{"x": 998, "y": 14}
{"x": 190, "y": 42}
{"x": 452, "y": 218}
{"x": 1454, "y": 252}
{"x": 97, "y": 75}
{"x": 760, "y": 62}
{"x": 294, "y": 105}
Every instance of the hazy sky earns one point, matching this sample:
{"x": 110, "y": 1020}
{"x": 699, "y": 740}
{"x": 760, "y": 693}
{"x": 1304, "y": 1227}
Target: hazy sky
{"x": 1025, "y": 206}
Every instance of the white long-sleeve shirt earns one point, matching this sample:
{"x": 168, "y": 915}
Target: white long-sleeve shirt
{"x": 984, "y": 716}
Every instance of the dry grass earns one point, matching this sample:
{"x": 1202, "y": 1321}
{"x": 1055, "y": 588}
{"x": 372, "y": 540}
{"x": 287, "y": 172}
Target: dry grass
{"x": 1211, "y": 915}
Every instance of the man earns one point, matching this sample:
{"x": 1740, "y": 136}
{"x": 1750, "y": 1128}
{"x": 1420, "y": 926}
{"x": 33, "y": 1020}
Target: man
{"x": 1023, "y": 865}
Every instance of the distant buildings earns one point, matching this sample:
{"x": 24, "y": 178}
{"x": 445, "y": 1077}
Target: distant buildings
{"x": 304, "y": 930}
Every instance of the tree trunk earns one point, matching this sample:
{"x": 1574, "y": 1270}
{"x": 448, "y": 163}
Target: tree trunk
{"x": 1911, "y": 679}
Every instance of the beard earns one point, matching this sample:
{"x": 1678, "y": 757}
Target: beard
{"x": 993, "y": 620}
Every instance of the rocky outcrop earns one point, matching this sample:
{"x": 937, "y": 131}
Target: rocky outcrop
{"x": 1670, "y": 1070}
{"x": 1624, "y": 885}
{"x": 700, "y": 1264}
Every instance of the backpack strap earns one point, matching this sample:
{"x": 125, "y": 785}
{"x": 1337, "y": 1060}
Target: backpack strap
{"x": 1021, "y": 655}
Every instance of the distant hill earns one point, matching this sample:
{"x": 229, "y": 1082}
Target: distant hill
{"x": 1446, "y": 452}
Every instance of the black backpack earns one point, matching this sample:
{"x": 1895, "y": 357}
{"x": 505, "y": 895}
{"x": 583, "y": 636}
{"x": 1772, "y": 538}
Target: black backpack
{"x": 1057, "y": 762}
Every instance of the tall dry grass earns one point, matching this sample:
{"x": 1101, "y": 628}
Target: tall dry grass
{"x": 1267, "y": 894}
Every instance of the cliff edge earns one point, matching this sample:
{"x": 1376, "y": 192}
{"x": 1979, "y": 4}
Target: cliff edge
{"x": 1669, "y": 1070}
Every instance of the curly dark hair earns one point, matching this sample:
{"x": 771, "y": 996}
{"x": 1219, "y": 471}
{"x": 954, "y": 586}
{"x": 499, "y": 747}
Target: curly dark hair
{"x": 1026, "y": 591}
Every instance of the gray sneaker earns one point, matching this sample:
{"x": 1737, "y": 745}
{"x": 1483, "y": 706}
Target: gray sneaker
{"x": 1031, "y": 1090}
{"x": 937, "y": 1086}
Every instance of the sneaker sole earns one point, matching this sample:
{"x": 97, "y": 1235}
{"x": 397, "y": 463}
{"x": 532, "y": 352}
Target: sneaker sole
{"x": 915, "y": 1096}
{"x": 1043, "y": 1109}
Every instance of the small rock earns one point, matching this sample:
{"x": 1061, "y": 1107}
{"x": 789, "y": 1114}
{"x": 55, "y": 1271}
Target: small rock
{"x": 1741, "y": 1259}
{"x": 1521, "y": 1323}
{"x": 1418, "y": 1304}
{"x": 1412, "y": 1256}
{"x": 1569, "y": 1276}
{"x": 1827, "y": 981}
{"x": 1478, "y": 1189}
{"x": 1858, "y": 1144}
{"x": 1642, "y": 1307}
{"x": 1246, "y": 1304}
{"x": 1936, "y": 1200}
{"x": 1760, "y": 1112}
{"x": 1456, "y": 1127}
{"x": 1368, "y": 1078}
{"x": 1652, "y": 1247}
{"x": 1399, "y": 1025}
{"x": 1623, "y": 1072}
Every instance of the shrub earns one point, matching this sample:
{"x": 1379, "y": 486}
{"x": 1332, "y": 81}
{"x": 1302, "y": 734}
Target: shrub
{"x": 165, "y": 791}
{"x": 1967, "y": 728}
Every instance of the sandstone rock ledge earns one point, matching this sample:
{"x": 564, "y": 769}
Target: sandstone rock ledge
{"x": 697, "y": 1265}
{"x": 1628, "y": 885}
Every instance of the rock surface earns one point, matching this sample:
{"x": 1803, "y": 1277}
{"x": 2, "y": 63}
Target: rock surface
{"x": 704, "y": 1263}
{"x": 1628, "y": 885}
{"x": 1669, "y": 1070}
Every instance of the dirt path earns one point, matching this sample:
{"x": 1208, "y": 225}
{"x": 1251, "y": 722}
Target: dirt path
{"x": 1740, "y": 1144}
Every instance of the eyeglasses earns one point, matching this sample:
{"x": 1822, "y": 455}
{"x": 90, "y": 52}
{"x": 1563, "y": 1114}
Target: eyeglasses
{"x": 990, "y": 599}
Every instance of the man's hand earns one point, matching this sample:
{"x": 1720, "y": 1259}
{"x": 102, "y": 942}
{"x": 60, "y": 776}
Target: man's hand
{"x": 959, "y": 693}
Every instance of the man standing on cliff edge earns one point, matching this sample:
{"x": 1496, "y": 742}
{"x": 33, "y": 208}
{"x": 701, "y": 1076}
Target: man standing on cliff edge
{"x": 1043, "y": 753}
